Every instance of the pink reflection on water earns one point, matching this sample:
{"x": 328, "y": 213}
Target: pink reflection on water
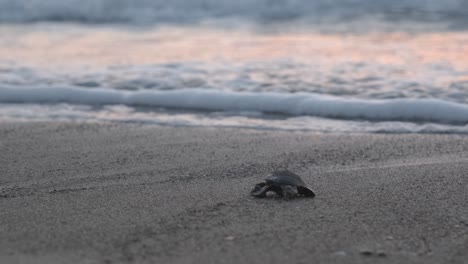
{"x": 76, "y": 45}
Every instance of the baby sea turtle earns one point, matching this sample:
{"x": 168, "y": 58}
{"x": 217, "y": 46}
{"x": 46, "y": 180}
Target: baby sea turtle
{"x": 284, "y": 183}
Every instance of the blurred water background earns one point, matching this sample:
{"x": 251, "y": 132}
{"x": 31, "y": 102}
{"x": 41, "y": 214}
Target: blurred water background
{"x": 330, "y": 66}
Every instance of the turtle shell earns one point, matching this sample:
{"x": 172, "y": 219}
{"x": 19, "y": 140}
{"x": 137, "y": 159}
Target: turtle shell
{"x": 285, "y": 178}
{"x": 283, "y": 183}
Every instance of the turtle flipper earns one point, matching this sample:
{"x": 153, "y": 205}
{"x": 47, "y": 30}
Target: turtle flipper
{"x": 305, "y": 191}
{"x": 260, "y": 190}
{"x": 288, "y": 191}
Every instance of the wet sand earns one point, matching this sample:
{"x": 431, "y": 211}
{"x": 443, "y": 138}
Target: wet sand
{"x": 130, "y": 193}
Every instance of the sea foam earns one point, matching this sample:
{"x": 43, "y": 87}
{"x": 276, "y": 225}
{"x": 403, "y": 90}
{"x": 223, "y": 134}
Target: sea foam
{"x": 295, "y": 104}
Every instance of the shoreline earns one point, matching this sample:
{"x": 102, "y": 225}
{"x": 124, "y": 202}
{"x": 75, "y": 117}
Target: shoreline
{"x": 129, "y": 193}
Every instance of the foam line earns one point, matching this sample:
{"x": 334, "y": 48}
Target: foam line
{"x": 406, "y": 109}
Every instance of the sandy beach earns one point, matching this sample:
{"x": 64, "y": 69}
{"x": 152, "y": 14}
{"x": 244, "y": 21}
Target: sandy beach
{"x": 131, "y": 193}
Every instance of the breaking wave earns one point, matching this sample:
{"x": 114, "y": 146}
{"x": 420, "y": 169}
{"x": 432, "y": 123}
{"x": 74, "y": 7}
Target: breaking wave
{"x": 293, "y": 104}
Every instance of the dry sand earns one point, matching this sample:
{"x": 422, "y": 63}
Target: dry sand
{"x": 119, "y": 193}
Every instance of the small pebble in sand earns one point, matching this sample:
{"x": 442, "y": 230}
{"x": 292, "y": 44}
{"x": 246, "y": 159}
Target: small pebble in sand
{"x": 366, "y": 252}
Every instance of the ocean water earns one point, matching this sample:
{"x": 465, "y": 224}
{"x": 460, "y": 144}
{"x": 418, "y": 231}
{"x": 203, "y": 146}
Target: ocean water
{"x": 329, "y": 66}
